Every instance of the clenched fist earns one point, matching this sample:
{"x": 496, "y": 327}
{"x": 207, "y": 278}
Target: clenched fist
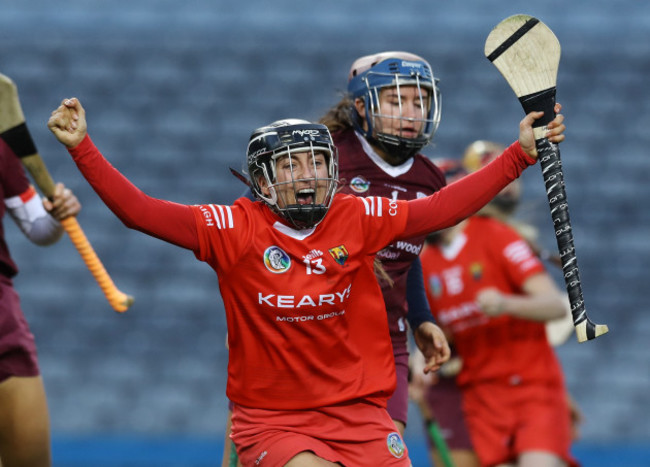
{"x": 68, "y": 122}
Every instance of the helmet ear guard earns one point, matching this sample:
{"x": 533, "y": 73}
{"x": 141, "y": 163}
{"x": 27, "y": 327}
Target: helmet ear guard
{"x": 369, "y": 75}
{"x": 283, "y": 138}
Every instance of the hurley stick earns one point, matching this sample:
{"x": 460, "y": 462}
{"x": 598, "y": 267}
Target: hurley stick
{"x": 14, "y": 132}
{"x": 527, "y": 54}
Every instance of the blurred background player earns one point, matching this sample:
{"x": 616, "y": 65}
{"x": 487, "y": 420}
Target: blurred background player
{"x": 460, "y": 262}
{"x": 390, "y": 112}
{"x": 437, "y": 395}
{"x": 24, "y": 417}
{"x": 503, "y": 207}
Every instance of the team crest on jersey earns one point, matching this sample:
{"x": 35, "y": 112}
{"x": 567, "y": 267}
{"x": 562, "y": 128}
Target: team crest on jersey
{"x": 476, "y": 271}
{"x": 359, "y": 184}
{"x": 395, "y": 445}
{"x": 435, "y": 285}
{"x": 340, "y": 254}
{"x": 276, "y": 260}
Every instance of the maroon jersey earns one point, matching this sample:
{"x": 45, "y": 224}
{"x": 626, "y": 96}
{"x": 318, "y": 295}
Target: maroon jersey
{"x": 363, "y": 173}
{"x": 13, "y": 182}
{"x": 17, "y": 347}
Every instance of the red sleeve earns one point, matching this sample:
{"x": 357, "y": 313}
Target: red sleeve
{"x": 466, "y": 196}
{"x": 168, "y": 221}
{"x": 224, "y": 233}
{"x": 518, "y": 260}
{"x": 381, "y": 220}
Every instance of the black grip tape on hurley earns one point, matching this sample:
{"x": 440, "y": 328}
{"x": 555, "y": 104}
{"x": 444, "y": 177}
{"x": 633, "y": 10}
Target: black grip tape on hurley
{"x": 19, "y": 140}
{"x": 542, "y": 100}
{"x": 551, "y": 165}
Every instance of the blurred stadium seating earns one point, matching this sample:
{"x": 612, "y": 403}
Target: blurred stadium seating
{"x": 173, "y": 90}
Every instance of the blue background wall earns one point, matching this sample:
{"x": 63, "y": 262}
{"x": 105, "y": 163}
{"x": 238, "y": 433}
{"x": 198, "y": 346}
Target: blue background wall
{"x": 172, "y": 91}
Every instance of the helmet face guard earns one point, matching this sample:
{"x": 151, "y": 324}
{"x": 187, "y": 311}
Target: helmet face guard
{"x": 280, "y": 141}
{"x": 397, "y": 73}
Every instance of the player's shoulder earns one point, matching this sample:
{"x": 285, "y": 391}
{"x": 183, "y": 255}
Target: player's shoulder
{"x": 426, "y": 169}
{"x": 351, "y": 153}
{"x": 422, "y": 162}
{"x": 225, "y": 216}
{"x": 344, "y": 136}
{"x": 347, "y": 206}
{"x": 345, "y": 202}
{"x": 347, "y": 199}
{"x": 425, "y": 161}
{"x": 489, "y": 223}
{"x": 343, "y": 210}
{"x": 493, "y": 230}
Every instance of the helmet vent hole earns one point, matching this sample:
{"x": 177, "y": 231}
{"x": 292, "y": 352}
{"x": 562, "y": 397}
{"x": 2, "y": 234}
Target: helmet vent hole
{"x": 393, "y": 67}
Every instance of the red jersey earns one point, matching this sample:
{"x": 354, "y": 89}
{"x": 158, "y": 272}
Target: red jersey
{"x": 301, "y": 290}
{"x": 363, "y": 173}
{"x": 13, "y": 182}
{"x": 306, "y": 323}
{"x": 487, "y": 254}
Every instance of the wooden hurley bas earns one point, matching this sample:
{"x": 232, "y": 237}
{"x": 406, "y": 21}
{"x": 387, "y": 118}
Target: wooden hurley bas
{"x": 15, "y": 133}
{"x": 527, "y": 54}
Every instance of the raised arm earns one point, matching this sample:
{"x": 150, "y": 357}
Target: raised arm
{"x": 466, "y": 196}
{"x": 168, "y": 221}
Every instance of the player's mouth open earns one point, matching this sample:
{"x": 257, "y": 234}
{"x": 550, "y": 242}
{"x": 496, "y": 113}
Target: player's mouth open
{"x": 305, "y": 196}
{"x": 409, "y": 133}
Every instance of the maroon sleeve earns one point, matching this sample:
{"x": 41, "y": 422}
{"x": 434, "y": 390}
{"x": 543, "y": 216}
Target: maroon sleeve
{"x": 168, "y": 221}
{"x": 12, "y": 173}
{"x": 464, "y": 197}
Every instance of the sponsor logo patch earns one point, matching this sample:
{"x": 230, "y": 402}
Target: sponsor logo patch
{"x": 340, "y": 254}
{"x": 435, "y": 286}
{"x": 476, "y": 271}
{"x": 276, "y": 260}
{"x": 395, "y": 445}
{"x": 259, "y": 460}
{"x": 359, "y": 184}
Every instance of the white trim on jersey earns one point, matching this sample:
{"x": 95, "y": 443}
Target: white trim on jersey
{"x": 374, "y": 205}
{"x": 453, "y": 249}
{"x": 293, "y": 233}
{"x": 518, "y": 252}
{"x": 224, "y": 214}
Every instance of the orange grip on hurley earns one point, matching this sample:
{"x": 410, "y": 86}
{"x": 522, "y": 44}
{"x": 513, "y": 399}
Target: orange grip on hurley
{"x": 118, "y": 300}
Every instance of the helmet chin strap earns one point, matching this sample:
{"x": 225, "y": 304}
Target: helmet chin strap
{"x": 305, "y": 216}
{"x": 399, "y": 153}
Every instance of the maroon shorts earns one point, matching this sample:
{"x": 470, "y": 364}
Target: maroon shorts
{"x": 445, "y": 402}
{"x": 17, "y": 347}
{"x": 354, "y": 434}
{"x": 398, "y": 404}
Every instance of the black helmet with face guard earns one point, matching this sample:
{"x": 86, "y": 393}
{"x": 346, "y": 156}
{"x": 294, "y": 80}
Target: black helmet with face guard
{"x": 284, "y": 138}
